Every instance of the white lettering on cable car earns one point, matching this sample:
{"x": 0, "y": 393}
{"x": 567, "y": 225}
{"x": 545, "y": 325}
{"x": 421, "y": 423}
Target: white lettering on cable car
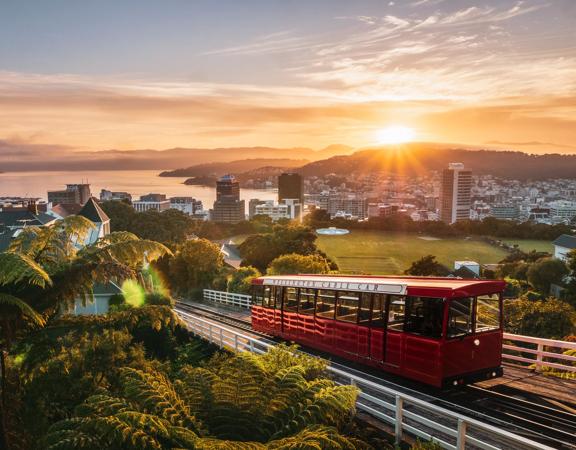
{"x": 386, "y": 288}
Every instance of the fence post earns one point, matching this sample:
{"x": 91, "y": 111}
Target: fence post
{"x": 235, "y": 342}
{"x": 398, "y": 424}
{"x": 461, "y": 437}
{"x": 539, "y": 361}
{"x": 221, "y": 339}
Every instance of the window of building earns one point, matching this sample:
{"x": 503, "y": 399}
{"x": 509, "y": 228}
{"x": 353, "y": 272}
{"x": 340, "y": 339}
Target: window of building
{"x": 424, "y": 316}
{"x": 487, "y": 313}
{"x": 364, "y": 312}
{"x": 290, "y": 299}
{"x": 378, "y": 311}
{"x": 325, "y": 303}
{"x": 460, "y": 317}
{"x": 307, "y": 297}
{"x": 396, "y": 311}
{"x": 347, "y": 309}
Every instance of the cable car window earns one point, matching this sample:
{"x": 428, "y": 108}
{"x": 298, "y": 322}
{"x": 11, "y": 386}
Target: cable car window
{"x": 378, "y": 311}
{"x": 364, "y": 310}
{"x": 424, "y": 316}
{"x": 460, "y": 317}
{"x": 306, "y": 301}
{"x": 325, "y": 304}
{"x": 276, "y": 299}
{"x": 487, "y": 312}
{"x": 347, "y": 309}
{"x": 267, "y": 297}
{"x": 396, "y": 311}
{"x": 290, "y": 299}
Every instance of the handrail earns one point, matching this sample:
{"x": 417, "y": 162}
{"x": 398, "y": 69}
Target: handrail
{"x": 510, "y": 353}
{"x": 407, "y": 414}
{"x": 542, "y": 356}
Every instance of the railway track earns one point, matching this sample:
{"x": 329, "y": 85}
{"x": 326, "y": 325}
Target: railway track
{"x": 550, "y": 426}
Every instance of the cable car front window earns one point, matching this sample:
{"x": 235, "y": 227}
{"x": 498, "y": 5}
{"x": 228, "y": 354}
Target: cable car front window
{"x": 487, "y": 313}
{"x": 460, "y": 317}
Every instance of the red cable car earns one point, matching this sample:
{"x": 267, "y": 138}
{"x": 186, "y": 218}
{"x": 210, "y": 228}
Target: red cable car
{"x": 439, "y": 331}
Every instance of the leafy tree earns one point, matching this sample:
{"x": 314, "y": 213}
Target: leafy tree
{"x": 551, "y": 318}
{"x": 427, "y": 266}
{"x": 158, "y": 298}
{"x": 294, "y": 264}
{"x": 240, "y": 281}
{"x": 542, "y": 274}
{"x": 259, "y": 250}
{"x": 122, "y": 215}
{"x": 195, "y": 266}
{"x": 570, "y": 292}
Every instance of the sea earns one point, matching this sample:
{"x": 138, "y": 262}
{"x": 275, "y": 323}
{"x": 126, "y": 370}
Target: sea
{"x": 136, "y": 182}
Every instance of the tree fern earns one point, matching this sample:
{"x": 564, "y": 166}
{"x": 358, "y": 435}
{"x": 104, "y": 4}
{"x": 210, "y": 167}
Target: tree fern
{"x": 155, "y": 393}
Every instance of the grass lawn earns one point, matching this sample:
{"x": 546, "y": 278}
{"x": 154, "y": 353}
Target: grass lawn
{"x": 527, "y": 245}
{"x": 375, "y": 252}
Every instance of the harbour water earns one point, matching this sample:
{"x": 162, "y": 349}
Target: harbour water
{"x": 136, "y": 182}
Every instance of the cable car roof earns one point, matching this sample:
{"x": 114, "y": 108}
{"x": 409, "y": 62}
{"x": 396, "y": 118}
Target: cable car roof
{"x": 424, "y": 286}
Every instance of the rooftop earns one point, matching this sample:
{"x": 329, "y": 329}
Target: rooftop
{"x": 565, "y": 241}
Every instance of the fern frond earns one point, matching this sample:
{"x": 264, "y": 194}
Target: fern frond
{"x": 17, "y": 268}
{"x": 154, "y": 392}
{"x": 22, "y": 308}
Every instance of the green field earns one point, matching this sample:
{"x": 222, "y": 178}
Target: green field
{"x": 527, "y": 245}
{"x": 376, "y": 252}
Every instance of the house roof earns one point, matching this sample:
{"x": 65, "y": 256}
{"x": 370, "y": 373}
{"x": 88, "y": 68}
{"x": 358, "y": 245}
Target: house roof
{"x": 231, "y": 255}
{"x": 67, "y": 209}
{"x": 91, "y": 210}
{"x": 5, "y": 239}
{"x": 565, "y": 241}
{"x": 20, "y": 218}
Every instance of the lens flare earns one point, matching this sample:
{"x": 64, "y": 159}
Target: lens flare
{"x": 396, "y": 134}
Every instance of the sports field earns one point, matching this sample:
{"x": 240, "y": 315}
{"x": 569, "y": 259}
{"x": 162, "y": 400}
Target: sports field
{"x": 527, "y": 245}
{"x": 374, "y": 252}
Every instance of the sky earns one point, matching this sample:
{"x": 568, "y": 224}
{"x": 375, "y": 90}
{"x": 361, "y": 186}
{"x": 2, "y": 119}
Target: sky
{"x": 150, "y": 74}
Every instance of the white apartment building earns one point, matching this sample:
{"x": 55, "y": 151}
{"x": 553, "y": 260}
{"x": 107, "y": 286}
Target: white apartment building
{"x": 141, "y": 206}
{"x": 455, "y": 193}
{"x": 562, "y": 210}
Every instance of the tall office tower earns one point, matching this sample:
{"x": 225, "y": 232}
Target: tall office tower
{"x": 228, "y": 208}
{"x": 455, "y": 193}
{"x": 291, "y": 186}
{"x": 73, "y": 194}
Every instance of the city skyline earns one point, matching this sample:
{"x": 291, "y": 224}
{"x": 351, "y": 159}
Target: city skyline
{"x": 84, "y": 77}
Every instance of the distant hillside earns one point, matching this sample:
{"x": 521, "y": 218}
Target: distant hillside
{"x": 412, "y": 159}
{"x": 15, "y": 156}
{"x": 235, "y": 167}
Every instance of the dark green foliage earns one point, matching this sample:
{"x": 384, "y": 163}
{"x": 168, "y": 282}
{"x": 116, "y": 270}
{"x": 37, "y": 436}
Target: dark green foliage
{"x": 427, "y": 266}
{"x": 240, "y": 281}
{"x": 158, "y": 299}
{"x": 196, "y": 265}
{"x": 551, "y": 318}
{"x": 293, "y": 263}
{"x": 260, "y": 250}
{"x": 545, "y": 272}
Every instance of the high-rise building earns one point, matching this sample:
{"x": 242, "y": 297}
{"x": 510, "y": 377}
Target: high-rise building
{"x": 228, "y": 208}
{"x": 291, "y": 186}
{"x": 74, "y": 193}
{"x": 455, "y": 193}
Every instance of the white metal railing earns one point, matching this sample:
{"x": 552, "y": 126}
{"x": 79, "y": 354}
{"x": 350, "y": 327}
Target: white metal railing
{"x": 228, "y": 298}
{"x": 539, "y": 355}
{"x": 541, "y": 352}
{"x": 406, "y": 414}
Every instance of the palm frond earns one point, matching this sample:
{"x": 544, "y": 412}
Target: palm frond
{"x": 130, "y": 252}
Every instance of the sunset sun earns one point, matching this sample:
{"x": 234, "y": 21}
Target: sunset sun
{"x": 395, "y": 134}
